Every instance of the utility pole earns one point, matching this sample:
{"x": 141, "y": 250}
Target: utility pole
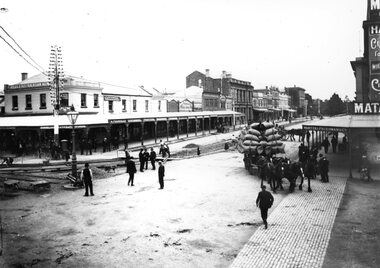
{"x": 55, "y": 76}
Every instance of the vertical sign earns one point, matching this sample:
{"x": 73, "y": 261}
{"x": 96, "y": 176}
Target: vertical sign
{"x": 374, "y": 48}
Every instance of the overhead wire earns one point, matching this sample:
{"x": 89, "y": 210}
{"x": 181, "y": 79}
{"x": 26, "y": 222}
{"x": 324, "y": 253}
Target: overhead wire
{"x": 35, "y": 67}
{"x": 21, "y": 48}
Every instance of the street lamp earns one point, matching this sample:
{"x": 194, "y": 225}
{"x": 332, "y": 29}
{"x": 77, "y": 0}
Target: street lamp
{"x": 73, "y": 116}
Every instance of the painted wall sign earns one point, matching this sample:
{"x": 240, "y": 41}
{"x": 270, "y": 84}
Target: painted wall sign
{"x": 366, "y": 108}
{"x": 374, "y": 9}
{"x": 111, "y": 98}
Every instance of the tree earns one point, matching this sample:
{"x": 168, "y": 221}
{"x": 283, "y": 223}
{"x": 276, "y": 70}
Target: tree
{"x": 335, "y": 105}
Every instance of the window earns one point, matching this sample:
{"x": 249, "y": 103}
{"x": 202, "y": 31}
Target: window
{"x": 83, "y": 102}
{"x": 110, "y": 106}
{"x": 28, "y": 102}
{"x": 96, "y": 100}
{"x": 146, "y": 106}
{"x": 42, "y": 101}
{"x": 14, "y": 103}
{"x": 159, "y": 106}
{"x": 134, "y": 105}
{"x": 124, "y": 104}
{"x": 64, "y": 99}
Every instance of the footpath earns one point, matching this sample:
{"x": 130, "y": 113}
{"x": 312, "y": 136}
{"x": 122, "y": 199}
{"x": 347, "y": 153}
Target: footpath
{"x": 301, "y": 227}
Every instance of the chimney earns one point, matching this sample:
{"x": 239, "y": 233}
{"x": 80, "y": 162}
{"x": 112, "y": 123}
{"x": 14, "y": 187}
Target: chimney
{"x": 24, "y": 76}
{"x": 207, "y": 73}
{"x": 223, "y": 74}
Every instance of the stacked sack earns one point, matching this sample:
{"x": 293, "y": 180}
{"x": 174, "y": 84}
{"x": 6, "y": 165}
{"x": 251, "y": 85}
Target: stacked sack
{"x": 260, "y": 138}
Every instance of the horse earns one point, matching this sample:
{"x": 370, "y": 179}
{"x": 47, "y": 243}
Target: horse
{"x": 268, "y": 173}
{"x": 297, "y": 131}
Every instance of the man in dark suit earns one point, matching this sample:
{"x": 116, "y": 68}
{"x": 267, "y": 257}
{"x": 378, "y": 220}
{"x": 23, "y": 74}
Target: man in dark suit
{"x": 141, "y": 160}
{"x": 264, "y": 201}
{"x": 153, "y": 158}
{"x": 131, "y": 170}
{"x": 324, "y": 168}
{"x": 161, "y": 174}
{"x": 146, "y": 158}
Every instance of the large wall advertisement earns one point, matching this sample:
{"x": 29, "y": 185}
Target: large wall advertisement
{"x": 374, "y": 48}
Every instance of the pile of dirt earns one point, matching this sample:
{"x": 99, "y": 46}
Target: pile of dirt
{"x": 191, "y": 145}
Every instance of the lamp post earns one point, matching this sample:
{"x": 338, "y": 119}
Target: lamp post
{"x": 73, "y": 116}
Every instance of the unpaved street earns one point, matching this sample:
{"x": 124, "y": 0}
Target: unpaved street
{"x": 202, "y": 218}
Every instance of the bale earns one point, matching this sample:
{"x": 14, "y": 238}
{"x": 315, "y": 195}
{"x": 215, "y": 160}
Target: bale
{"x": 250, "y": 143}
{"x": 251, "y": 137}
{"x": 270, "y": 131}
{"x": 268, "y": 125}
{"x": 263, "y": 143}
{"x": 251, "y": 149}
{"x": 254, "y": 125}
{"x": 275, "y": 143}
{"x": 273, "y": 137}
{"x": 254, "y": 132}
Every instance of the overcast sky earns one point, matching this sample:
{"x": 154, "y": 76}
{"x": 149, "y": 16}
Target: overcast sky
{"x": 157, "y": 43}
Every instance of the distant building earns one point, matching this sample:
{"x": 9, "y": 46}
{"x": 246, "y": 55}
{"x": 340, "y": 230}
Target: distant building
{"x": 224, "y": 93}
{"x": 2, "y": 103}
{"x": 297, "y": 99}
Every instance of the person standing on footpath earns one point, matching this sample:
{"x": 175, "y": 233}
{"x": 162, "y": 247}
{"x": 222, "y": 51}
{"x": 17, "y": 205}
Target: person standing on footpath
{"x": 334, "y": 143}
{"x": 324, "y": 168}
{"x": 86, "y": 177}
{"x": 146, "y": 158}
{"x": 326, "y": 144}
{"x": 131, "y": 170}
{"x": 141, "y": 160}
{"x": 161, "y": 174}
{"x": 264, "y": 201}
{"x": 153, "y": 158}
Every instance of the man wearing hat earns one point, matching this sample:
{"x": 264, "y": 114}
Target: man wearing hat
{"x": 323, "y": 164}
{"x": 161, "y": 174}
{"x": 264, "y": 201}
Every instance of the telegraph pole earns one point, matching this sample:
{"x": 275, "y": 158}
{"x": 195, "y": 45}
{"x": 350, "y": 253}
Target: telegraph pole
{"x": 55, "y": 76}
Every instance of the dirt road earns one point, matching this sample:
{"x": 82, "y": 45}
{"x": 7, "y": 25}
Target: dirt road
{"x": 202, "y": 218}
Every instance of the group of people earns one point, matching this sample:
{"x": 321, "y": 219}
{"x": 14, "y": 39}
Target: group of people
{"x": 313, "y": 166}
{"x": 144, "y": 158}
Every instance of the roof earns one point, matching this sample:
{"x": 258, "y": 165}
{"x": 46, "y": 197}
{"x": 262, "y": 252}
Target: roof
{"x": 47, "y": 121}
{"x": 346, "y": 122}
{"x": 121, "y": 90}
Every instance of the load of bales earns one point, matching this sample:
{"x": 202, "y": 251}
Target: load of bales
{"x": 261, "y": 138}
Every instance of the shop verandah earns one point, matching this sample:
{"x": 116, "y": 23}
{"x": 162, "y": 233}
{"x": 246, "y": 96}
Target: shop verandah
{"x": 362, "y": 133}
{"x": 34, "y": 135}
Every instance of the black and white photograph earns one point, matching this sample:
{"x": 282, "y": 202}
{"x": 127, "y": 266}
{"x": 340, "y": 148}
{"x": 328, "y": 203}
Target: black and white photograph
{"x": 190, "y": 133}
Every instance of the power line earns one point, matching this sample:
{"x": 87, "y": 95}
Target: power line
{"x": 21, "y": 48}
{"x": 20, "y": 55}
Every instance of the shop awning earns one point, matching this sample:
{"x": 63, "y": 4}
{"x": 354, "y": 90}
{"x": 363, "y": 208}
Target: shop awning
{"x": 345, "y": 122}
{"x": 260, "y": 110}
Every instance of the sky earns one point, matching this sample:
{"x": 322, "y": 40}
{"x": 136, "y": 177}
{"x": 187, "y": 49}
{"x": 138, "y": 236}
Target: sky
{"x": 157, "y": 43}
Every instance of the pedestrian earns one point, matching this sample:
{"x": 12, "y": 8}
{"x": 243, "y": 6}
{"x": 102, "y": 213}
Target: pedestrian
{"x": 198, "y": 151}
{"x": 334, "y": 143}
{"x": 146, "y": 158}
{"x": 89, "y": 146}
{"x": 87, "y": 177}
{"x": 264, "y": 201}
{"x": 141, "y": 160}
{"x": 326, "y": 144}
{"x": 308, "y": 138}
{"x": 104, "y": 144}
{"x": 152, "y": 157}
{"x": 131, "y": 170}
{"x": 161, "y": 174}
{"x": 324, "y": 168}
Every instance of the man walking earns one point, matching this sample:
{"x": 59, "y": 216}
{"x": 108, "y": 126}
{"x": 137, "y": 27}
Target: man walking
{"x": 264, "y": 201}
{"x": 86, "y": 177}
{"x": 324, "y": 168}
{"x": 131, "y": 170}
{"x": 153, "y": 158}
{"x": 161, "y": 174}
{"x": 326, "y": 144}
